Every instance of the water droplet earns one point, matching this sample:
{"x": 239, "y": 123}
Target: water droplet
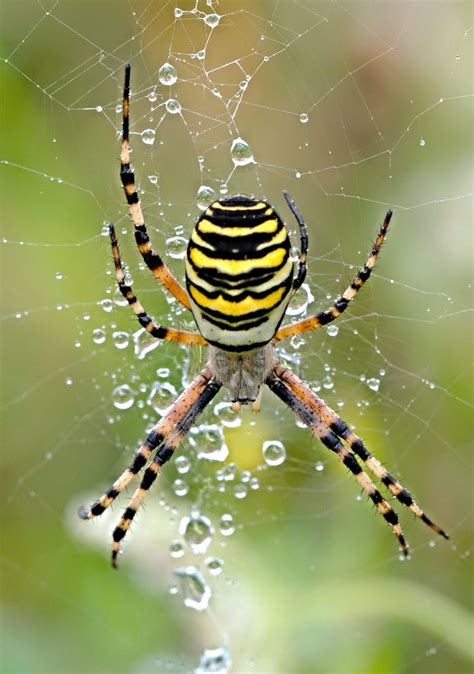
{"x": 180, "y": 487}
{"x": 148, "y": 136}
{"x": 167, "y": 74}
{"x": 328, "y": 382}
{"x": 319, "y": 465}
{"x": 205, "y": 195}
{"x": 176, "y": 549}
{"x": 162, "y": 396}
{"x": 332, "y": 330}
{"x": 227, "y": 415}
{"x": 200, "y": 55}
{"x": 123, "y": 397}
{"x": 241, "y": 153}
{"x": 304, "y": 118}
{"x": 373, "y": 383}
{"x": 107, "y": 305}
{"x": 197, "y": 531}
{"x": 173, "y": 106}
{"x": 274, "y": 452}
{"x": 196, "y": 593}
{"x": 240, "y": 491}
{"x": 178, "y": 12}
{"x": 227, "y": 473}
{"x": 68, "y": 381}
{"x": 143, "y": 343}
{"x": 214, "y": 565}
{"x": 176, "y": 247}
{"x": 214, "y": 661}
{"x": 153, "y": 179}
{"x": 212, "y": 20}
{"x": 58, "y": 276}
{"x": 98, "y": 336}
{"x": 226, "y": 525}
{"x": 99, "y": 108}
{"x": 183, "y": 464}
{"x": 209, "y": 443}
{"x": 422, "y": 142}
{"x": 152, "y": 96}
{"x": 300, "y": 301}
{"x": 121, "y": 339}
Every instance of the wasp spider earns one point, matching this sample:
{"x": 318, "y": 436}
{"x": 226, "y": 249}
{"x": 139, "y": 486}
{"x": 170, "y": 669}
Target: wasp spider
{"x": 240, "y": 278}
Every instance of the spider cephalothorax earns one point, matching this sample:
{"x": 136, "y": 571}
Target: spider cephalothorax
{"x": 239, "y": 279}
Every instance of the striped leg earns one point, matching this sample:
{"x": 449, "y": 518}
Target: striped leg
{"x": 158, "y": 331}
{"x": 325, "y": 317}
{"x": 334, "y": 423}
{"x": 183, "y": 421}
{"x": 332, "y": 442}
{"x": 300, "y": 277}
{"x": 185, "y": 402}
{"x": 127, "y": 176}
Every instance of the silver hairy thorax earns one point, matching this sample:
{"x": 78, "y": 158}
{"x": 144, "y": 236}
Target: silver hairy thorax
{"x": 242, "y": 374}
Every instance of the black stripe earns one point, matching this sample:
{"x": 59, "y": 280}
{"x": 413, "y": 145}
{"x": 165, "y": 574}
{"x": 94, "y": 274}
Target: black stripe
{"x": 236, "y": 328}
{"x": 246, "y": 242}
{"x": 240, "y": 252}
{"x": 241, "y": 348}
{"x": 238, "y": 218}
{"x": 254, "y": 294}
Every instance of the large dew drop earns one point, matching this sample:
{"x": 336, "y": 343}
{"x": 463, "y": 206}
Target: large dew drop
{"x": 196, "y": 593}
{"x": 214, "y": 661}
{"x": 123, "y": 397}
{"x": 274, "y": 452}
{"x": 148, "y": 136}
{"x": 241, "y": 152}
{"x": 176, "y": 247}
{"x": 212, "y": 20}
{"x": 173, "y": 106}
{"x": 197, "y": 531}
{"x": 205, "y": 196}
{"x": 167, "y": 74}
{"x": 208, "y": 440}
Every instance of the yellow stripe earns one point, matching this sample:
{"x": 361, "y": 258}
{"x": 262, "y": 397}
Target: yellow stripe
{"x": 241, "y": 308}
{"x": 267, "y": 227}
{"x": 223, "y": 207}
{"x": 278, "y": 238}
{"x": 234, "y": 267}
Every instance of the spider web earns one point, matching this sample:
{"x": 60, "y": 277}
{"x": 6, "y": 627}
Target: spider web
{"x": 353, "y": 108}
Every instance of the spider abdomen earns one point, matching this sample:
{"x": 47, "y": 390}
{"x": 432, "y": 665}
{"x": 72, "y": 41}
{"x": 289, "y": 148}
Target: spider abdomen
{"x": 239, "y": 273}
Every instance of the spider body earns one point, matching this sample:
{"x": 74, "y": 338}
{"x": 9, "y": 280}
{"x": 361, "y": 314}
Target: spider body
{"x": 239, "y": 280}
{"x": 239, "y": 273}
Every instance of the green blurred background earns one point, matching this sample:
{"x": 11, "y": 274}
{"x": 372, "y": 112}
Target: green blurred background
{"x": 311, "y": 579}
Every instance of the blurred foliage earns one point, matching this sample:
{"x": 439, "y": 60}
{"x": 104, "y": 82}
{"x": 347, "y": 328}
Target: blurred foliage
{"x": 311, "y": 581}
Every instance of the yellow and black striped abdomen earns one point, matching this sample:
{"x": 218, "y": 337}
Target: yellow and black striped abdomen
{"x": 239, "y": 273}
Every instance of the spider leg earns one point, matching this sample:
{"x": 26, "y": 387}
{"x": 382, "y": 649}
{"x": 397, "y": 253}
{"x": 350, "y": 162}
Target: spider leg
{"x": 333, "y": 422}
{"x": 332, "y": 442}
{"x": 155, "y": 438}
{"x": 340, "y": 305}
{"x": 300, "y": 277}
{"x": 158, "y": 331}
{"x": 127, "y": 176}
{"x": 185, "y": 413}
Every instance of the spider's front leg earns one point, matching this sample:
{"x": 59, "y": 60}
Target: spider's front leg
{"x": 157, "y": 331}
{"x": 341, "y": 304}
{"x": 127, "y": 176}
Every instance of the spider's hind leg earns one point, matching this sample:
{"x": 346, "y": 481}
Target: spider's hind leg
{"x": 332, "y": 442}
{"x": 339, "y": 427}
